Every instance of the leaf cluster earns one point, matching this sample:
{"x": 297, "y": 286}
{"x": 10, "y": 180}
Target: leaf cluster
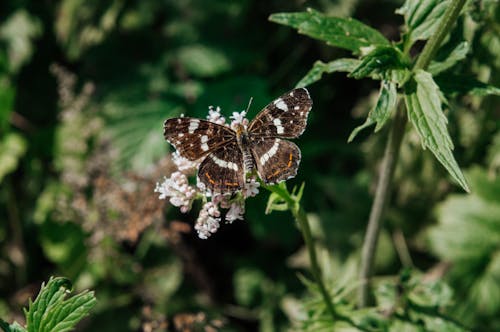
{"x": 391, "y": 63}
{"x": 51, "y": 311}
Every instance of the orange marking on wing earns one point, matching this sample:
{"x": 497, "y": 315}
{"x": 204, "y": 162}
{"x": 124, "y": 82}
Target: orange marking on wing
{"x": 231, "y": 184}
{"x": 289, "y": 161}
{"x": 277, "y": 172}
{"x": 210, "y": 178}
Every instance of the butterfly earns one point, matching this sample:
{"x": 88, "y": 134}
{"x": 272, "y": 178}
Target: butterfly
{"x": 228, "y": 154}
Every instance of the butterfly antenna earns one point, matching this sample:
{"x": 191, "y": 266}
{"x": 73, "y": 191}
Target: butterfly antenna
{"x": 249, "y": 103}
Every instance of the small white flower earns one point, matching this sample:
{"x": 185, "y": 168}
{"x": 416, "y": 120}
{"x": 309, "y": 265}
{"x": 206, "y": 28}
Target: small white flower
{"x": 222, "y": 200}
{"x": 212, "y": 209}
{"x": 238, "y": 118}
{"x": 203, "y": 188}
{"x": 235, "y": 212}
{"x": 215, "y": 116}
{"x": 162, "y": 188}
{"x": 251, "y": 188}
{"x": 183, "y": 164}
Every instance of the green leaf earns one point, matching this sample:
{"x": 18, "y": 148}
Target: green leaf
{"x": 466, "y": 230}
{"x": 485, "y": 185}
{"x": 162, "y": 281}
{"x": 281, "y": 199}
{"x": 81, "y": 24}
{"x": 134, "y": 125}
{"x": 14, "y": 327}
{"x": 468, "y": 226}
{"x": 319, "y": 68}
{"x": 451, "y": 58}
{"x": 452, "y": 84}
{"x": 248, "y": 284}
{"x": 346, "y": 33}
{"x": 50, "y": 312}
{"x": 18, "y": 31}
{"x": 64, "y": 317}
{"x": 422, "y": 18}
{"x": 386, "y": 104}
{"x": 12, "y": 147}
{"x": 380, "y": 62}
{"x": 467, "y": 235}
{"x": 423, "y": 102}
{"x": 485, "y": 293}
{"x": 421, "y": 304}
{"x": 203, "y": 61}
{"x": 63, "y": 243}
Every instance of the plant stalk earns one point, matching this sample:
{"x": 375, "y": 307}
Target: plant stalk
{"x": 380, "y": 201}
{"x": 301, "y": 217}
{"x": 449, "y": 17}
{"x": 391, "y": 155}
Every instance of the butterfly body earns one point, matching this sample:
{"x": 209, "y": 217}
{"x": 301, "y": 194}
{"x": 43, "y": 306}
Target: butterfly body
{"x": 229, "y": 154}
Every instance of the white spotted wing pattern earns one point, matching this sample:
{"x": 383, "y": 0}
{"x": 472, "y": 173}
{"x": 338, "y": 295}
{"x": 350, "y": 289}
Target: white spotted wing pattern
{"x": 226, "y": 155}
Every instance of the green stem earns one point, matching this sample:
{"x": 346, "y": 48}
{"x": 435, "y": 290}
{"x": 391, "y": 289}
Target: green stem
{"x": 450, "y": 16}
{"x": 380, "y": 201}
{"x": 301, "y": 217}
{"x": 292, "y": 201}
{"x": 391, "y": 155}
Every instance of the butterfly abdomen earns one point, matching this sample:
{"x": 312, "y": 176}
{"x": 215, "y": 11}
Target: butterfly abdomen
{"x": 248, "y": 161}
{"x": 244, "y": 144}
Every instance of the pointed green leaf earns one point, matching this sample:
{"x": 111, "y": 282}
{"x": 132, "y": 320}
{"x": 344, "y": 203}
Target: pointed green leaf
{"x": 51, "y": 313}
{"x": 422, "y": 17}
{"x": 452, "y": 84}
{"x": 385, "y": 106}
{"x": 451, "y": 58}
{"x": 380, "y": 62}
{"x": 49, "y": 294}
{"x": 346, "y": 33}
{"x": 68, "y": 313}
{"x": 423, "y": 102}
{"x": 319, "y": 68}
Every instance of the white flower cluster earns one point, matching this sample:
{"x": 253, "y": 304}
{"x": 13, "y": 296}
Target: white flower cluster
{"x": 208, "y": 221}
{"x": 181, "y": 194}
{"x": 239, "y": 118}
{"x": 215, "y": 116}
{"x": 178, "y": 189}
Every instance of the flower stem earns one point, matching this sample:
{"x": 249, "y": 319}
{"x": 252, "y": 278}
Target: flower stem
{"x": 391, "y": 155}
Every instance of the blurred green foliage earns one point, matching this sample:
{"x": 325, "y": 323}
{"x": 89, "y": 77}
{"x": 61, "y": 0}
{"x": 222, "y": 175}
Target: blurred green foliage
{"x": 85, "y": 87}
